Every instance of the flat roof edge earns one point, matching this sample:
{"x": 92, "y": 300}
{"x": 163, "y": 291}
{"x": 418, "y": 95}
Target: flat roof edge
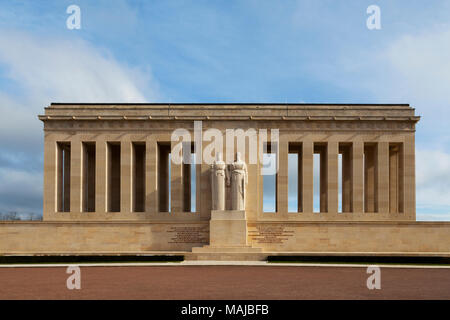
{"x": 230, "y": 103}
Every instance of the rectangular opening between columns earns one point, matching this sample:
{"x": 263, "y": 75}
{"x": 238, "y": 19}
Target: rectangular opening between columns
{"x": 370, "y": 177}
{"x": 345, "y": 177}
{"x": 396, "y": 178}
{"x": 320, "y": 177}
{"x": 88, "y": 177}
{"x": 270, "y": 177}
{"x": 295, "y": 181}
{"x": 113, "y": 177}
{"x": 138, "y": 176}
{"x": 163, "y": 176}
{"x": 189, "y": 177}
{"x": 63, "y": 176}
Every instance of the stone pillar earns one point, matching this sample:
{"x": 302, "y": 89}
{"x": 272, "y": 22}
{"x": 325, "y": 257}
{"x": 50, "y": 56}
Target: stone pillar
{"x": 307, "y": 176}
{"x": 369, "y": 178}
{"x": 394, "y": 154}
{"x": 126, "y": 173}
{"x": 205, "y": 189}
{"x": 383, "y": 177}
{"x": 332, "y": 176}
{"x": 282, "y": 178}
{"x": 151, "y": 177}
{"x": 409, "y": 177}
{"x": 100, "y": 175}
{"x": 357, "y": 176}
{"x": 50, "y": 167}
{"x": 76, "y": 168}
{"x": 176, "y": 184}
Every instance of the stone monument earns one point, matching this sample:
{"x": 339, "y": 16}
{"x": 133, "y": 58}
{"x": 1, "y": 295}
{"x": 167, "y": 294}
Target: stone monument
{"x": 111, "y": 185}
{"x": 218, "y": 177}
{"x": 239, "y": 179}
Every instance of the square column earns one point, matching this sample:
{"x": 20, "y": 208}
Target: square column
{"x": 151, "y": 176}
{"x": 307, "y": 176}
{"x": 357, "y": 176}
{"x": 176, "y": 183}
{"x": 408, "y": 169}
{"x": 382, "y": 176}
{"x": 100, "y": 176}
{"x": 282, "y": 177}
{"x": 125, "y": 176}
{"x": 332, "y": 176}
{"x": 76, "y": 168}
{"x": 50, "y": 167}
{"x": 369, "y": 178}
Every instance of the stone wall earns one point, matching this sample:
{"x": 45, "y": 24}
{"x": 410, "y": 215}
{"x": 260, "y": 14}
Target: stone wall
{"x": 178, "y": 237}
{"x": 361, "y": 237}
{"x": 100, "y": 237}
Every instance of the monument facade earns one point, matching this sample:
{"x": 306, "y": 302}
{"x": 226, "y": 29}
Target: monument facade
{"x": 112, "y": 182}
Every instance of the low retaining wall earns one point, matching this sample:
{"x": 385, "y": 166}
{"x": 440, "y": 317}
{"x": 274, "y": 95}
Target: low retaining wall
{"x": 101, "y": 237}
{"x": 382, "y": 237}
{"x": 178, "y": 237}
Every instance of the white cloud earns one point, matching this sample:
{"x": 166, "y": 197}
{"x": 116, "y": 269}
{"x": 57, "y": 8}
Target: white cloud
{"x": 20, "y": 191}
{"x": 37, "y": 71}
{"x": 419, "y": 71}
{"x": 433, "y": 178}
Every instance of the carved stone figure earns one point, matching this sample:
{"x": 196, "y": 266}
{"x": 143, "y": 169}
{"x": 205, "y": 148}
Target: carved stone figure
{"x": 218, "y": 176}
{"x": 238, "y": 183}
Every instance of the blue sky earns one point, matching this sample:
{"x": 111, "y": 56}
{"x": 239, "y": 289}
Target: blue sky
{"x": 222, "y": 51}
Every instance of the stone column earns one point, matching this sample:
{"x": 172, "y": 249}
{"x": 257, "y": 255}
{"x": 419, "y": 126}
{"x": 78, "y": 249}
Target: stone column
{"x": 126, "y": 158}
{"x": 357, "y": 176}
{"x": 100, "y": 175}
{"x": 332, "y": 176}
{"x": 282, "y": 178}
{"x": 393, "y": 179}
{"x": 76, "y": 168}
{"x": 176, "y": 184}
{"x": 307, "y": 176}
{"x": 50, "y": 167}
{"x": 151, "y": 176}
{"x": 383, "y": 177}
{"x": 409, "y": 177}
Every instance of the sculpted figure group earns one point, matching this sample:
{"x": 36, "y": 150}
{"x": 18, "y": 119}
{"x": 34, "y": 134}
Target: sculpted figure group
{"x": 222, "y": 176}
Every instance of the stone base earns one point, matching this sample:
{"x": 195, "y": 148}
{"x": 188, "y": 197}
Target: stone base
{"x": 228, "y": 239}
{"x": 228, "y": 228}
{"x": 240, "y": 253}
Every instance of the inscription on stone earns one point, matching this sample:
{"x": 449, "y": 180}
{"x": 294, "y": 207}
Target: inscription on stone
{"x": 188, "y": 234}
{"x": 270, "y": 234}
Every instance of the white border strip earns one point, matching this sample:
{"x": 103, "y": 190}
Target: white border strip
{"x": 220, "y": 263}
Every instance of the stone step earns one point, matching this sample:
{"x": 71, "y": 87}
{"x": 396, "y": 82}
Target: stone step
{"x": 230, "y": 249}
{"x": 225, "y": 256}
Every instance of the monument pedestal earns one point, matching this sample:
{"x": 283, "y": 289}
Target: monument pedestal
{"x": 227, "y": 238}
{"x": 228, "y": 228}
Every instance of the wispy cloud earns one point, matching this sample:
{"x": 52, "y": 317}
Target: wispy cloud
{"x": 39, "y": 71}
